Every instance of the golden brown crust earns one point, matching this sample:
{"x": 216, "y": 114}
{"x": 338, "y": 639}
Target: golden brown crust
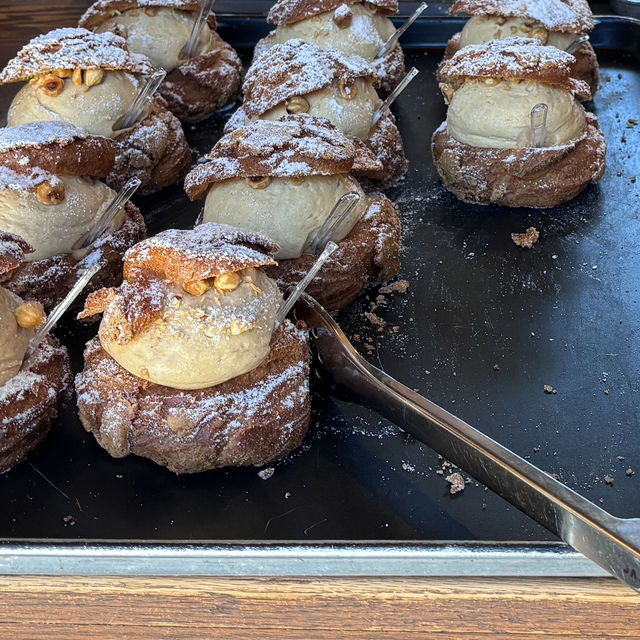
{"x": 286, "y": 12}
{"x": 296, "y": 68}
{"x": 292, "y": 147}
{"x": 390, "y": 69}
{"x": 12, "y": 250}
{"x": 386, "y": 143}
{"x": 102, "y": 10}
{"x": 250, "y": 420}
{"x": 369, "y": 254}
{"x": 585, "y": 67}
{"x": 200, "y": 86}
{"x": 57, "y": 148}
{"x": 154, "y": 150}
{"x": 30, "y": 400}
{"x": 48, "y": 281}
{"x": 520, "y": 177}
{"x": 570, "y": 16}
{"x": 72, "y": 49}
{"x": 206, "y": 251}
{"x": 514, "y": 59}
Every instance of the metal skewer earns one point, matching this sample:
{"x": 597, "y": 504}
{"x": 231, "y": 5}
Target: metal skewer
{"x": 391, "y": 98}
{"x": 189, "y": 50}
{"x": 391, "y": 42}
{"x": 142, "y": 100}
{"x": 539, "y": 124}
{"x": 109, "y": 214}
{"x": 56, "y": 314}
{"x": 577, "y": 43}
{"x": 338, "y": 215}
{"x": 304, "y": 283}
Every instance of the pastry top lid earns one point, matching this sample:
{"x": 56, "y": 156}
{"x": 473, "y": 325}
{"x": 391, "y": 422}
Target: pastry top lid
{"x": 102, "y": 10}
{"x": 295, "y": 146}
{"x": 514, "y": 59}
{"x": 571, "y": 16}
{"x": 296, "y": 68}
{"x": 286, "y": 12}
{"x": 178, "y": 257}
{"x": 31, "y": 154}
{"x": 73, "y": 49}
{"x": 12, "y": 250}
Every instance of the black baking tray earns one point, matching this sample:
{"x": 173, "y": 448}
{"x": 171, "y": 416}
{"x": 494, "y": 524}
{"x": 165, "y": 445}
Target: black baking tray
{"x": 565, "y": 313}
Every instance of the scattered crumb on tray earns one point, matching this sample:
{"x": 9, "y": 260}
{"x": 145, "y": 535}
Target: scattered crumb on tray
{"x": 527, "y": 239}
{"x": 457, "y": 483}
{"x": 400, "y": 286}
{"x": 608, "y": 480}
{"x": 549, "y": 389}
{"x": 630, "y": 472}
{"x": 265, "y": 474}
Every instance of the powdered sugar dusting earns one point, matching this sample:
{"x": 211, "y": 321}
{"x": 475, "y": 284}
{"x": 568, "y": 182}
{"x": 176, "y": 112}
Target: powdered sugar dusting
{"x": 286, "y": 12}
{"x": 296, "y": 68}
{"x": 38, "y": 134}
{"x": 70, "y": 49}
{"x": 573, "y": 16}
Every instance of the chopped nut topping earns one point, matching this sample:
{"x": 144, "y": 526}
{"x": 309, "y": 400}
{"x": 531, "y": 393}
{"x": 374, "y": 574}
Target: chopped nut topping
{"x": 30, "y": 315}
{"x": 227, "y": 282}
{"x": 49, "y": 194}
{"x": 347, "y": 88}
{"x": 51, "y": 84}
{"x": 259, "y": 182}
{"x": 296, "y": 104}
{"x": 541, "y": 34}
{"x": 151, "y": 11}
{"x": 198, "y": 287}
{"x": 343, "y": 20}
{"x": 92, "y": 77}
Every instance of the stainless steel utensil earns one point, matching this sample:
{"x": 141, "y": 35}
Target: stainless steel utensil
{"x": 613, "y": 543}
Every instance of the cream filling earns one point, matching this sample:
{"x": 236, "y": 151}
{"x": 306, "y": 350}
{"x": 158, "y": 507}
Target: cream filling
{"x": 160, "y": 36}
{"x": 94, "y": 109}
{"x": 364, "y": 37}
{"x": 54, "y": 229}
{"x": 290, "y": 214}
{"x": 482, "y": 29}
{"x": 13, "y": 338}
{"x": 354, "y": 116}
{"x": 500, "y": 116}
{"x": 202, "y": 341}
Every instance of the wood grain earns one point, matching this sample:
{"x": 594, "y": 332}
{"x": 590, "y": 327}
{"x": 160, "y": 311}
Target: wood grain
{"x": 177, "y": 608}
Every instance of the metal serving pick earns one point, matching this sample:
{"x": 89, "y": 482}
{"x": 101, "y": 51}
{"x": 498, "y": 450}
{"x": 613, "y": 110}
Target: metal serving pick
{"x": 304, "y": 283}
{"x": 577, "y": 43}
{"x": 391, "y": 42}
{"x": 142, "y": 100}
{"x": 189, "y": 50}
{"x": 613, "y": 543}
{"x": 57, "y": 312}
{"x": 539, "y": 124}
{"x": 109, "y": 214}
{"x": 391, "y": 98}
{"x": 338, "y": 215}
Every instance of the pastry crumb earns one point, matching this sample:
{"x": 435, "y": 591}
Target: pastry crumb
{"x": 399, "y": 286}
{"x": 630, "y": 472}
{"x": 549, "y": 389}
{"x": 609, "y": 480}
{"x": 457, "y": 483}
{"x": 527, "y": 239}
{"x": 265, "y": 474}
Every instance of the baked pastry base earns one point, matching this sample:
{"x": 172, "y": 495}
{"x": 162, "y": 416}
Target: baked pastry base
{"x": 538, "y": 178}
{"x": 154, "y": 150}
{"x": 204, "y": 84}
{"x": 585, "y": 68}
{"x": 250, "y": 420}
{"x": 386, "y": 143}
{"x": 369, "y": 254}
{"x": 30, "y": 400}
{"x": 389, "y": 69}
{"x": 49, "y": 281}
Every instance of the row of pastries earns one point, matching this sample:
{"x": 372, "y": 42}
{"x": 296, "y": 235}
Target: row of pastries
{"x": 190, "y": 366}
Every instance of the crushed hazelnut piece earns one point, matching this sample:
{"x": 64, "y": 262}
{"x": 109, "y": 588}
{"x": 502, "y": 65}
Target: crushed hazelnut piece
{"x": 30, "y": 315}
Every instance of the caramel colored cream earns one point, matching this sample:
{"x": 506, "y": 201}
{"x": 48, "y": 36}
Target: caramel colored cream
{"x": 499, "y": 116}
{"x": 289, "y": 211}
{"x": 202, "y": 341}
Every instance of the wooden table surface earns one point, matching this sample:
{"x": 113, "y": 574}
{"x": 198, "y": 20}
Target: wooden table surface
{"x": 346, "y": 608}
